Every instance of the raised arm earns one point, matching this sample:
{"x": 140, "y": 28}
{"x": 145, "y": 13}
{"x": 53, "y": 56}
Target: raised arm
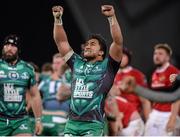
{"x": 59, "y": 33}
{"x": 117, "y": 44}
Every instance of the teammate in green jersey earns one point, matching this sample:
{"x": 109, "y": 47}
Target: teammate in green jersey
{"x": 54, "y": 111}
{"x": 16, "y": 78}
{"x": 93, "y": 74}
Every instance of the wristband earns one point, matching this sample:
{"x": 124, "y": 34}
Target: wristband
{"x": 58, "y": 21}
{"x": 111, "y": 20}
{"x": 38, "y": 119}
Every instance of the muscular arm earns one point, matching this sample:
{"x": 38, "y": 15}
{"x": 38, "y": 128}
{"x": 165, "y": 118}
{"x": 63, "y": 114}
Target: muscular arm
{"x": 172, "y": 122}
{"x": 36, "y": 105}
{"x": 113, "y": 112}
{"x": 157, "y": 96}
{"x": 59, "y": 33}
{"x": 117, "y": 44}
{"x": 112, "y": 104}
{"x": 175, "y": 109}
{"x": 36, "y": 101}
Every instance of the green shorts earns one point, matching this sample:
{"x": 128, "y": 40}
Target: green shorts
{"x": 53, "y": 125}
{"x": 15, "y": 126}
{"x": 82, "y": 128}
{"x": 32, "y": 123}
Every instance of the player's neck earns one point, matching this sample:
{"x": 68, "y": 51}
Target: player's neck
{"x": 55, "y": 76}
{"x": 127, "y": 68}
{"x": 12, "y": 63}
{"x": 163, "y": 66}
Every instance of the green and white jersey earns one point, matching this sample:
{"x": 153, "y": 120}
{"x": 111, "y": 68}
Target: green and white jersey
{"x": 49, "y": 87}
{"x": 14, "y": 82}
{"x": 90, "y": 84}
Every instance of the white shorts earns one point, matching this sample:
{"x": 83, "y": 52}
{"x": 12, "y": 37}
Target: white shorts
{"x": 135, "y": 128}
{"x": 156, "y": 124}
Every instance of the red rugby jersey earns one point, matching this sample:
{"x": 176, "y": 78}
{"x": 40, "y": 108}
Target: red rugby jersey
{"x": 124, "y": 107}
{"x": 140, "y": 79}
{"x": 159, "y": 80}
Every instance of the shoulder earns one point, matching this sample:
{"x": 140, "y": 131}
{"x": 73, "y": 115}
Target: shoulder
{"x": 78, "y": 57}
{"x": 1, "y": 61}
{"x": 173, "y": 68}
{"x": 73, "y": 58}
{"x": 27, "y": 65}
{"x": 138, "y": 72}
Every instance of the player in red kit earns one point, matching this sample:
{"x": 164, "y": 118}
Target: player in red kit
{"x": 132, "y": 123}
{"x": 127, "y": 70}
{"x": 162, "y": 119}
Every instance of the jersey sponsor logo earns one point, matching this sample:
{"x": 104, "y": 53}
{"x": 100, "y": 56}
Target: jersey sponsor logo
{"x": 25, "y": 75}
{"x": 97, "y": 69}
{"x": 11, "y": 94}
{"x": 88, "y": 69}
{"x": 2, "y": 74}
{"x": 13, "y": 75}
{"x": 162, "y": 78}
{"x": 91, "y": 68}
{"x": 78, "y": 70}
{"x": 10, "y": 68}
{"x": 81, "y": 90}
{"x": 23, "y": 127}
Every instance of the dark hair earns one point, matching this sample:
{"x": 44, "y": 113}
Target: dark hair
{"x": 12, "y": 39}
{"x": 102, "y": 42}
{"x": 128, "y": 53}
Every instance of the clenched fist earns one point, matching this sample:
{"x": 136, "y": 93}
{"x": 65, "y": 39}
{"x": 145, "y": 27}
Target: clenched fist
{"x": 57, "y": 11}
{"x": 107, "y": 10}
